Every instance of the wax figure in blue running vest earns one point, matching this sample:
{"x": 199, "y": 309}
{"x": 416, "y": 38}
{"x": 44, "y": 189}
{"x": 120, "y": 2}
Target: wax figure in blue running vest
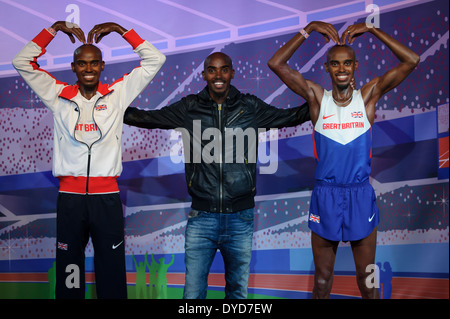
{"x": 87, "y": 158}
{"x": 343, "y": 203}
{"x": 222, "y": 189}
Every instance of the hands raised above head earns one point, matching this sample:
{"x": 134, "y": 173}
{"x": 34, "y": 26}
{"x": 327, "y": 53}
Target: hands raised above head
{"x": 353, "y": 32}
{"x": 100, "y": 30}
{"x": 330, "y": 33}
{"x": 71, "y": 29}
{"x": 96, "y": 34}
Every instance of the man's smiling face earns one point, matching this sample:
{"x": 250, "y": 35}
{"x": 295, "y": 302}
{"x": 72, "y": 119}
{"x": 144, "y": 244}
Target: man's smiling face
{"x": 218, "y": 72}
{"x": 341, "y": 65}
{"x": 88, "y": 65}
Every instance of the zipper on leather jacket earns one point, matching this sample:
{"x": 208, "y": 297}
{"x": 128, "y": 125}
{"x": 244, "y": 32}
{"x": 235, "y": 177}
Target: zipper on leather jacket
{"x": 249, "y": 173}
{"x": 192, "y": 176}
{"x": 220, "y": 161}
{"x": 235, "y": 117}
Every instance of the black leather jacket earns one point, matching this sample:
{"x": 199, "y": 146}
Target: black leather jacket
{"x": 225, "y": 184}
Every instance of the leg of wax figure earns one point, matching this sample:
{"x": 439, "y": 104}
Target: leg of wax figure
{"x": 102, "y": 218}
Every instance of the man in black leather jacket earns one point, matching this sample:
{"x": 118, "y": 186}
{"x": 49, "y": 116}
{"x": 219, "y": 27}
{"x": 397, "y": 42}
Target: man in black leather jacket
{"x": 221, "y": 177}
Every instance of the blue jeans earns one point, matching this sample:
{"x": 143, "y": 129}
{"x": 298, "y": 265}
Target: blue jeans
{"x": 232, "y": 234}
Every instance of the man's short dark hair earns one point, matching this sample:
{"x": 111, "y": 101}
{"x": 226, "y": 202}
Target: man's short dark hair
{"x": 330, "y": 51}
{"x": 78, "y": 51}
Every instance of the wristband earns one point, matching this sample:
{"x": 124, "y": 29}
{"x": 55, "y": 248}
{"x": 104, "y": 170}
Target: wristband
{"x": 304, "y": 33}
{"x": 52, "y": 31}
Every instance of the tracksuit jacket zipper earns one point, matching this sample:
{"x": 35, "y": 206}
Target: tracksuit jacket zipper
{"x": 89, "y": 147}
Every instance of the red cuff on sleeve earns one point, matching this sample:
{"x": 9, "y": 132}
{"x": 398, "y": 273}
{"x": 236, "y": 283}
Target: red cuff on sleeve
{"x": 43, "y": 38}
{"x": 133, "y": 38}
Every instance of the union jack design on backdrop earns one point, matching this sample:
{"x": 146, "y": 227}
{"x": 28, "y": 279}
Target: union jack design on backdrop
{"x": 314, "y": 218}
{"x": 357, "y": 115}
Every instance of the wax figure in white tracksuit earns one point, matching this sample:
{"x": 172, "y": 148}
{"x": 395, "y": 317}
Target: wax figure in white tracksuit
{"x": 88, "y": 119}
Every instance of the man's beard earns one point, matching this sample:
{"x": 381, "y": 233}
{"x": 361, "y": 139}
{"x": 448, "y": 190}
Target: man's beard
{"x": 343, "y": 87}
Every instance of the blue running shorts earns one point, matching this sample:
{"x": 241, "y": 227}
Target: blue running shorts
{"x": 343, "y": 212}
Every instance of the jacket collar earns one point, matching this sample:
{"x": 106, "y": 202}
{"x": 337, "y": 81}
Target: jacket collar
{"x": 70, "y": 91}
{"x": 232, "y": 94}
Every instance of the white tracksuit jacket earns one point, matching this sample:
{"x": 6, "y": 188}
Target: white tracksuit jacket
{"x": 83, "y": 168}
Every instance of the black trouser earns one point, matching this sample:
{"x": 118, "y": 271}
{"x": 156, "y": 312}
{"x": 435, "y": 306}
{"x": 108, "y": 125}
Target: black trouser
{"x": 101, "y": 217}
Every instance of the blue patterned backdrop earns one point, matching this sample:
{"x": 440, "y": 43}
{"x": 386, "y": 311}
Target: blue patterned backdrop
{"x": 409, "y": 166}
